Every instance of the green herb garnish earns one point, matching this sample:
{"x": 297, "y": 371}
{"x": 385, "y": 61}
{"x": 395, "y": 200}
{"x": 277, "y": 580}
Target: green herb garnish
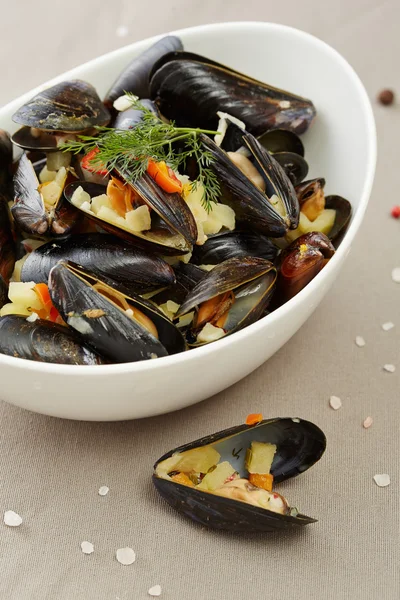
{"x": 153, "y": 139}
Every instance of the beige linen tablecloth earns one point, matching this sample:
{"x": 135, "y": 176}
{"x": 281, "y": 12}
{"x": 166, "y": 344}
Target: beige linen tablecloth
{"x": 50, "y": 470}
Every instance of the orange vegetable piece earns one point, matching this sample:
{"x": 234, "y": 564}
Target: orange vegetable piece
{"x": 183, "y": 479}
{"x": 42, "y": 291}
{"x": 164, "y": 177}
{"x": 263, "y": 481}
{"x": 89, "y": 163}
{"x": 254, "y": 418}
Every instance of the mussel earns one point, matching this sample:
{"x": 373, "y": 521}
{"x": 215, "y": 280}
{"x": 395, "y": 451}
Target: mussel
{"x": 43, "y": 341}
{"x": 187, "y": 276}
{"x": 173, "y": 227}
{"x": 7, "y": 245}
{"x": 190, "y": 89}
{"x": 135, "y": 77}
{"x": 6, "y": 156}
{"x": 35, "y": 210}
{"x": 70, "y": 106}
{"x": 208, "y": 479}
{"x": 301, "y": 262}
{"x": 342, "y": 218}
{"x": 231, "y": 244}
{"x": 231, "y": 296}
{"x": 122, "y": 327}
{"x": 130, "y": 118}
{"x": 3, "y": 292}
{"x": 281, "y": 140}
{"x": 272, "y": 212}
{"x": 103, "y": 255}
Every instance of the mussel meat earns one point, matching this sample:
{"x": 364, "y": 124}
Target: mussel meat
{"x": 135, "y": 77}
{"x": 301, "y": 262}
{"x": 103, "y": 255}
{"x": 189, "y": 89}
{"x": 231, "y": 244}
{"x": 272, "y": 211}
{"x": 231, "y": 296}
{"x": 224, "y": 480}
{"x": 70, "y": 106}
{"x": 120, "y": 326}
{"x": 43, "y": 341}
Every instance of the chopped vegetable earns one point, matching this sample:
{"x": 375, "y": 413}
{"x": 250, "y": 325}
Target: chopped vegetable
{"x": 262, "y": 480}
{"x": 91, "y": 163}
{"x": 217, "y": 477}
{"x": 183, "y": 479}
{"x": 253, "y": 418}
{"x": 259, "y": 457}
{"x": 164, "y": 177}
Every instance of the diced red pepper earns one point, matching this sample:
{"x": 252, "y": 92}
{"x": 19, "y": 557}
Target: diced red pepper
{"x": 164, "y": 177}
{"x": 89, "y": 163}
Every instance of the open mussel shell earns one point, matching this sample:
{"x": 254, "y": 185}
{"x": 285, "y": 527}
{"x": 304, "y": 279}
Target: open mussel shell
{"x": 6, "y": 156}
{"x": 44, "y": 341}
{"x": 281, "y": 140}
{"x": 343, "y": 215}
{"x": 102, "y": 321}
{"x": 135, "y": 77}
{"x": 294, "y": 165}
{"x": 190, "y": 89}
{"x": 7, "y": 244}
{"x": 43, "y": 141}
{"x": 103, "y": 255}
{"x": 300, "y": 444}
{"x": 70, "y": 106}
{"x": 231, "y": 244}
{"x": 187, "y": 276}
{"x": 130, "y": 118}
{"x": 251, "y": 279}
{"x": 163, "y": 237}
{"x": 251, "y": 205}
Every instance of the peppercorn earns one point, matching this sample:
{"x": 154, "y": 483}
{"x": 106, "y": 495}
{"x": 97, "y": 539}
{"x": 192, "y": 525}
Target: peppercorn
{"x": 386, "y": 97}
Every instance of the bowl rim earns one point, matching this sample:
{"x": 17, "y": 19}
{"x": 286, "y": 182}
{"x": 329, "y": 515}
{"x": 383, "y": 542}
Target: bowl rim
{"x": 278, "y": 314}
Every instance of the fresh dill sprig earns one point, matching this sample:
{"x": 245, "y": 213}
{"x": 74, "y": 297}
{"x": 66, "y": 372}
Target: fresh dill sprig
{"x": 130, "y": 150}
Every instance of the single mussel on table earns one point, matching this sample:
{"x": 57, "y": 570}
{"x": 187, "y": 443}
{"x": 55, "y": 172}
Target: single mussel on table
{"x": 231, "y": 296}
{"x": 140, "y": 212}
{"x": 103, "y": 255}
{"x": 120, "y": 326}
{"x": 258, "y": 190}
{"x": 43, "y": 341}
{"x": 225, "y": 480}
{"x": 190, "y": 89}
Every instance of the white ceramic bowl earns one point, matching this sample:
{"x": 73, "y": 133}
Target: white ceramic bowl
{"x": 341, "y": 146}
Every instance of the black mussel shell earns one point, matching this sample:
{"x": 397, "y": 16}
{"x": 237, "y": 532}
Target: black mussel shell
{"x": 294, "y": 165}
{"x": 250, "y": 204}
{"x": 343, "y": 214}
{"x": 70, "y": 106}
{"x": 3, "y": 292}
{"x": 130, "y": 118}
{"x": 45, "y": 141}
{"x": 103, "y": 255}
{"x": 162, "y": 238}
{"x": 66, "y": 217}
{"x": 6, "y": 156}
{"x": 306, "y": 189}
{"x": 135, "y": 77}
{"x": 7, "y": 244}
{"x": 300, "y": 444}
{"x": 190, "y": 89}
{"x": 222, "y": 246}
{"x": 281, "y": 140}
{"x": 187, "y": 276}
{"x": 105, "y": 326}
{"x": 28, "y": 209}
{"x": 43, "y": 341}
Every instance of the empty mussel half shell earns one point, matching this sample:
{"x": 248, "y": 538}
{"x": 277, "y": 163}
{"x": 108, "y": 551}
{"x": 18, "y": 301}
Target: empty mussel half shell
{"x": 70, "y": 106}
{"x": 231, "y": 296}
{"x": 122, "y": 327}
{"x": 172, "y": 232}
{"x": 281, "y": 140}
{"x": 44, "y": 341}
{"x": 272, "y": 212}
{"x": 223, "y": 246}
{"x": 135, "y": 77}
{"x": 299, "y": 445}
{"x": 190, "y": 89}
{"x": 103, "y": 255}
{"x": 294, "y": 165}
{"x": 343, "y": 214}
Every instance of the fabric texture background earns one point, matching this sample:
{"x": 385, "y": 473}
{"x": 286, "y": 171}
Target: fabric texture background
{"x": 50, "y": 470}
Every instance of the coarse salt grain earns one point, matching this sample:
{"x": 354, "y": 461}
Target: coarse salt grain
{"x": 12, "y": 519}
{"x": 125, "y": 556}
{"x": 360, "y": 342}
{"x": 87, "y": 547}
{"x": 367, "y": 422}
{"x": 387, "y": 326}
{"x": 103, "y": 490}
{"x": 389, "y": 368}
{"x": 335, "y": 402}
{"x": 122, "y": 31}
{"x": 155, "y": 590}
{"x": 396, "y": 274}
{"x": 382, "y": 479}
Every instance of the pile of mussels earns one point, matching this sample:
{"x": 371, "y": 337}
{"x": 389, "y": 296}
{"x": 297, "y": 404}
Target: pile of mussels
{"x": 83, "y": 284}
